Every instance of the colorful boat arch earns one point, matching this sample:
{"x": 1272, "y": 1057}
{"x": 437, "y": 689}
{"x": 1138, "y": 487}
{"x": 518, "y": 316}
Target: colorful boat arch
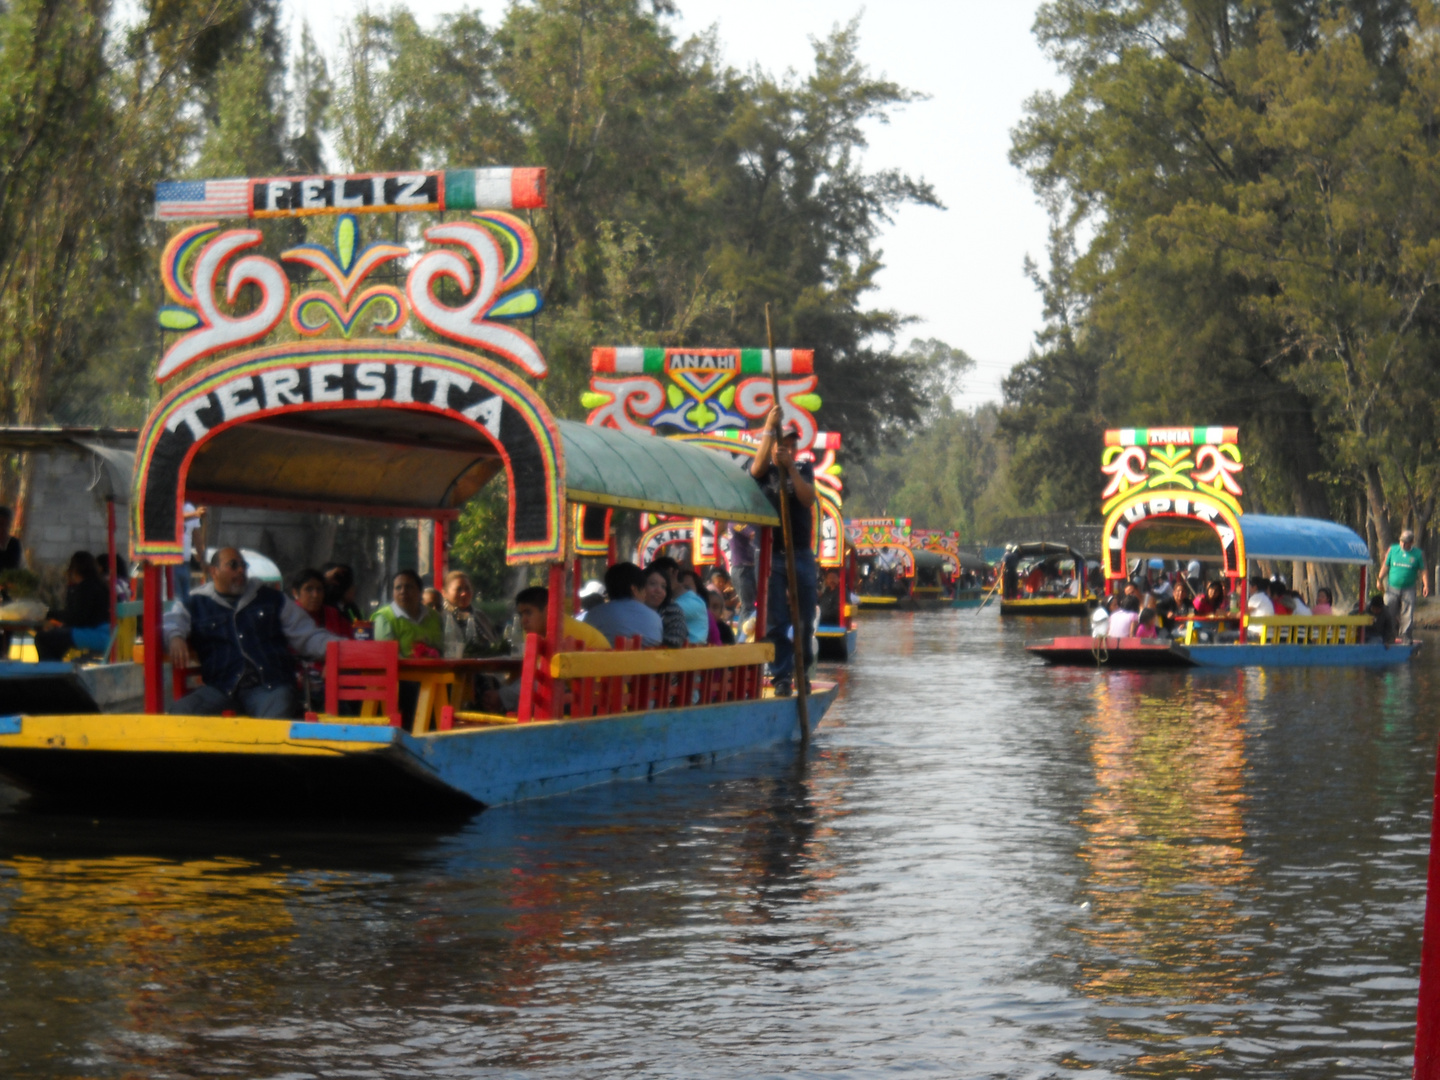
{"x": 309, "y": 377}
{"x": 1145, "y": 506}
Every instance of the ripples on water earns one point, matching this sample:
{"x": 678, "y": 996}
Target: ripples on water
{"x": 986, "y": 868}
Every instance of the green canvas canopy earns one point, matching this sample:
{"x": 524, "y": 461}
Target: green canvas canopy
{"x": 665, "y": 476}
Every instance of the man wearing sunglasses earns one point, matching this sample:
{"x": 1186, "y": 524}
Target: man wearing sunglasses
{"x": 244, "y": 633}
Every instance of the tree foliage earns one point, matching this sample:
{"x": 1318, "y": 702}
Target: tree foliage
{"x": 1247, "y": 220}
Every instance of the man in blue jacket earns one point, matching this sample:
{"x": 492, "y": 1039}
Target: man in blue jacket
{"x": 244, "y": 634}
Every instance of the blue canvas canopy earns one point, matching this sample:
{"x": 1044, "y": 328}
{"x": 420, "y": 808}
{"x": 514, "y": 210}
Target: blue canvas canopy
{"x": 1297, "y": 539}
{"x": 1283, "y": 539}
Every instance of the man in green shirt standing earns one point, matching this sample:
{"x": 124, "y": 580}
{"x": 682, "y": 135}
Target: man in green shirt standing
{"x": 1403, "y": 563}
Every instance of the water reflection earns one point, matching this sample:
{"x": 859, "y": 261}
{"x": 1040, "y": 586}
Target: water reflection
{"x": 1165, "y": 829}
{"x": 985, "y": 867}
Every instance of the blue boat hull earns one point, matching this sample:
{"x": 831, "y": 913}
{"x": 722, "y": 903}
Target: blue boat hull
{"x": 1136, "y": 653}
{"x": 317, "y": 766}
{"x": 533, "y": 761}
{"x": 1371, "y": 654}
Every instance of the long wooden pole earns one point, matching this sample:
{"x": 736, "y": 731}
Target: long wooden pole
{"x": 792, "y": 581}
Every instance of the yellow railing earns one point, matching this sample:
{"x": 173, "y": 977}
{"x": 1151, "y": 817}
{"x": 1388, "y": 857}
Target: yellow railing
{"x": 598, "y": 663}
{"x": 1311, "y": 629}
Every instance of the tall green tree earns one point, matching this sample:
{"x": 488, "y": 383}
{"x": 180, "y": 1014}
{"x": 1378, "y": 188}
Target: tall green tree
{"x": 1256, "y": 184}
{"x": 683, "y": 195}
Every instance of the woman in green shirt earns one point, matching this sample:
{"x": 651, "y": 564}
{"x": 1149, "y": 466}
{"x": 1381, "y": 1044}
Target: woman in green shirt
{"x": 406, "y": 619}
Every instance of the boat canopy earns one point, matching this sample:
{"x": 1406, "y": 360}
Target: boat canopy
{"x": 932, "y": 560}
{"x": 608, "y": 467}
{"x": 1297, "y": 539}
{"x": 1041, "y": 549}
{"x": 390, "y": 462}
{"x": 972, "y": 562}
{"x": 1264, "y": 536}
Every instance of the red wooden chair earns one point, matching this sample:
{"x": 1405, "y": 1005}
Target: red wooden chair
{"x": 183, "y": 680}
{"x": 365, "y": 671}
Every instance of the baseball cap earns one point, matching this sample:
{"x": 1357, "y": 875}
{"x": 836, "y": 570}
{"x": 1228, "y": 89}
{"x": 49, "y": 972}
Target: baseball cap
{"x": 592, "y": 588}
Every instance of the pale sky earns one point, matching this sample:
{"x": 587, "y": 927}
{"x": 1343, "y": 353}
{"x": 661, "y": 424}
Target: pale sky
{"x": 958, "y": 270}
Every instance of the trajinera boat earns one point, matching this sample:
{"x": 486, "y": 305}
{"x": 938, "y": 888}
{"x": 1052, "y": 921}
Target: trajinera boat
{"x": 1173, "y": 494}
{"x": 902, "y": 567}
{"x": 1043, "y": 578}
{"x": 711, "y": 397}
{"x": 332, "y": 422}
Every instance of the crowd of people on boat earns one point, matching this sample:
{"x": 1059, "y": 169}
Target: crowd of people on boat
{"x": 1159, "y": 603}
{"x": 260, "y": 650}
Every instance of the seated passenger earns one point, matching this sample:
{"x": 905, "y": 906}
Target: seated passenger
{"x": 531, "y": 606}
{"x": 1035, "y": 580}
{"x": 340, "y": 591}
{"x": 672, "y": 616}
{"x": 307, "y": 588}
{"x": 1382, "y": 626}
{"x": 592, "y": 595}
{"x": 1297, "y": 603}
{"x": 626, "y": 614}
{"x": 830, "y": 599}
{"x": 692, "y": 604}
{"x": 1213, "y": 602}
{"x": 119, "y": 581}
{"x": 432, "y": 599}
{"x": 1259, "y": 603}
{"x": 1280, "y": 597}
{"x": 467, "y": 631}
{"x": 408, "y": 621}
{"x": 1122, "y": 621}
{"x": 722, "y": 583}
{"x": 1145, "y": 626}
{"x": 244, "y": 634}
{"x": 1324, "y": 603}
{"x": 84, "y": 621}
{"x": 719, "y": 618}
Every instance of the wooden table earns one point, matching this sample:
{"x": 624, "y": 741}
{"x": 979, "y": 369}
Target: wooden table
{"x": 448, "y": 682}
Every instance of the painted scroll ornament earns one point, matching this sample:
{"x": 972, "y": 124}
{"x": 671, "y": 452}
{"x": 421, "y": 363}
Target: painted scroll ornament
{"x": 194, "y": 307}
{"x": 756, "y": 398}
{"x": 613, "y": 402}
{"x": 498, "y": 268}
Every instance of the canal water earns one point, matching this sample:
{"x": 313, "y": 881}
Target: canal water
{"x": 985, "y": 868}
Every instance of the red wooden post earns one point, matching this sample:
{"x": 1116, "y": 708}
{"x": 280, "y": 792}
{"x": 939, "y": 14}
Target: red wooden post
{"x": 525, "y": 710}
{"x": 555, "y": 609}
{"x": 114, "y": 574}
{"x": 154, "y": 642}
{"x": 610, "y": 559}
{"x": 1427, "y": 1020}
{"x": 762, "y": 585}
{"x": 437, "y": 551}
{"x": 575, "y": 586}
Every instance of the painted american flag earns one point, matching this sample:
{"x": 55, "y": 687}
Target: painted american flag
{"x": 178, "y": 199}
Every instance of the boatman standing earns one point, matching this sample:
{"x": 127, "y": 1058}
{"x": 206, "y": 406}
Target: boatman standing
{"x": 1403, "y": 563}
{"x": 774, "y": 463}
